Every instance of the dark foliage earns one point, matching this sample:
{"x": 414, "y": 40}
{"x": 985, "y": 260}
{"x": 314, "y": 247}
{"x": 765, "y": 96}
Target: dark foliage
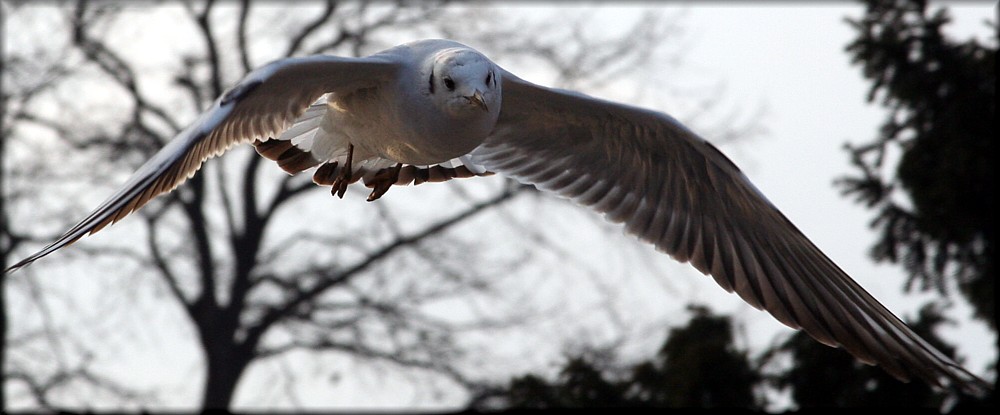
{"x": 698, "y": 366}
{"x": 822, "y": 376}
{"x": 935, "y": 211}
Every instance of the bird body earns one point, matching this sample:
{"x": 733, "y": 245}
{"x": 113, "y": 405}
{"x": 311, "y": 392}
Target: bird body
{"x": 419, "y": 133}
{"x": 434, "y": 110}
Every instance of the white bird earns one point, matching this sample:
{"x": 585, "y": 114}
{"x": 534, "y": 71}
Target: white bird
{"x": 433, "y": 110}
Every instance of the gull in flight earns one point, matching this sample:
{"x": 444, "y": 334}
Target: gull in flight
{"x": 435, "y": 110}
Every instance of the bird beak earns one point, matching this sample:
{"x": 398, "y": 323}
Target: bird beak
{"x": 478, "y": 100}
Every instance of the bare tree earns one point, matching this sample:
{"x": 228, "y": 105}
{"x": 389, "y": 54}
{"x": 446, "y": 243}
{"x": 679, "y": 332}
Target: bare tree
{"x": 241, "y": 248}
{"x": 35, "y": 362}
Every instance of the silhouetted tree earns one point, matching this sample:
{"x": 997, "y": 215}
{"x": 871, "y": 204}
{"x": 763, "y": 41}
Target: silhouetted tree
{"x": 583, "y": 384}
{"x": 36, "y": 367}
{"x": 935, "y": 208}
{"x": 697, "y": 366}
{"x": 821, "y": 376}
{"x": 230, "y": 246}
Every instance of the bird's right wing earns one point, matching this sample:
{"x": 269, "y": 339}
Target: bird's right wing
{"x": 677, "y": 191}
{"x": 266, "y": 102}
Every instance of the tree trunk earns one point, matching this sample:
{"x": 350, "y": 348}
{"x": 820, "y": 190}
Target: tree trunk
{"x": 224, "y": 367}
{"x": 225, "y": 358}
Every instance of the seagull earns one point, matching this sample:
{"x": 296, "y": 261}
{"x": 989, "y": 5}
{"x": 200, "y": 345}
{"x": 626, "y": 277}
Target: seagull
{"x": 435, "y": 110}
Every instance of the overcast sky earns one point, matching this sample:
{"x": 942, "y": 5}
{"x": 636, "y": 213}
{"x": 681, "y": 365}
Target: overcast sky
{"x": 788, "y": 59}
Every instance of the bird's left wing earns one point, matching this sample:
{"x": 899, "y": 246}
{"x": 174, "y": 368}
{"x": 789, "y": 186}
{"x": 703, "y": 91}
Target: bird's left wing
{"x": 266, "y": 102}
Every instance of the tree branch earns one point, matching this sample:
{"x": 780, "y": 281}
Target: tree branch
{"x": 161, "y": 265}
{"x": 214, "y": 65}
{"x": 275, "y": 314}
{"x": 194, "y": 210}
{"x": 241, "y": 36}
{"x": 296, "y": 40}
{"x": 119, "y": 71}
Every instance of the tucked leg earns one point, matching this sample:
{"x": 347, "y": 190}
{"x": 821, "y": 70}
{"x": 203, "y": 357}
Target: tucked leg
{"x": 339, "y": 186}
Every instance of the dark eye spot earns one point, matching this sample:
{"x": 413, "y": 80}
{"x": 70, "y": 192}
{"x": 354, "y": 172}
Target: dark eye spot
{"x": 449, "y": 84}
{"x": 488, "y": 77}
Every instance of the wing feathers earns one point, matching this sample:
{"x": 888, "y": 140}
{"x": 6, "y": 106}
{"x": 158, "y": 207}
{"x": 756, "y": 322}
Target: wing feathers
{"x": 263, "y": 104}
{"x": 675, "y": 190}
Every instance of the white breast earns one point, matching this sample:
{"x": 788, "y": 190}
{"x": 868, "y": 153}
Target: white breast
{"x": 417, "y": 132}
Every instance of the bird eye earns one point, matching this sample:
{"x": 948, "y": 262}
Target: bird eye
{"x": 488, "y": 77}
{"x": 449, "y": 83}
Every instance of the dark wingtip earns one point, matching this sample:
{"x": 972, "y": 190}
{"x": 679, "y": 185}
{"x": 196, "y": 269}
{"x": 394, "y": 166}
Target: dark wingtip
{"x": 240, "y": 90}
{"x": 12, "y": 269}
{"x": 23, "y": 263}
{"x": 971, "y": 385}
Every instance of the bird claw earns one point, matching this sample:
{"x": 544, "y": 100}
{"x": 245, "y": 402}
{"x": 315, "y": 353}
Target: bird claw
{"x": 383, "y": 180}
{"x": 339, "y": 187}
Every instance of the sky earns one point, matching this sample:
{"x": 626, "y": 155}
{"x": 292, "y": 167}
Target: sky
{"x": 787, "y": 60}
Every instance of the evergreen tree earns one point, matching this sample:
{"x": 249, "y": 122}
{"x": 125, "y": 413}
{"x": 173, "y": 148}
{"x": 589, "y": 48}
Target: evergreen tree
{"x": 934, "y": 208}
{"x": 935, "y": 211}
{"x": 822, "y": 376}
{"x": 698, "y": 366}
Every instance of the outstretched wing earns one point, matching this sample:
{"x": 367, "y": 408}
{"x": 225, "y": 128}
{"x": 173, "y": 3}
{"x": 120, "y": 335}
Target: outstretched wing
{"x": 678, "y": 192}
{"x": 264, "y": 103}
